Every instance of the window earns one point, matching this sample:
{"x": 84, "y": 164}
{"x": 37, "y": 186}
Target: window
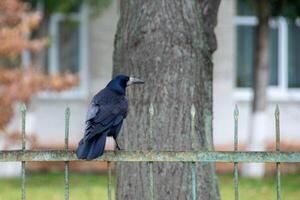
{"x": 68, "y": 50}
{"x": 294, "y": 54}
{"x": 245, "y": 50}
{"x": 284, "y": 36}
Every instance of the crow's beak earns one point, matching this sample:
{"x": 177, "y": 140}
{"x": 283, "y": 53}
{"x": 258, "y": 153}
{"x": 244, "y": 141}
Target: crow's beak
{"x": 133, "y": 80}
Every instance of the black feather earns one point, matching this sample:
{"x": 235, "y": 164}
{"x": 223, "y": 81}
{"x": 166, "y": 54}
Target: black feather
{"x": 104, "y": 118}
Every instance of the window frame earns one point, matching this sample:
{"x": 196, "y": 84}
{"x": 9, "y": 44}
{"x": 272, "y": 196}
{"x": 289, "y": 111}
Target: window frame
{"x": 81, "y": 91}
{"x": 281, "y": 92}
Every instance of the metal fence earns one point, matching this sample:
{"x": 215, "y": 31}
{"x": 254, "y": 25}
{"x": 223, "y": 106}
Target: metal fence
{"x": 151, "y": 156}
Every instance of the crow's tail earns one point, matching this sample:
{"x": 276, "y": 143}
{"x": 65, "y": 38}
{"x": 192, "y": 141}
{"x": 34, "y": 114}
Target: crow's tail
{"x": 91, "y": 149}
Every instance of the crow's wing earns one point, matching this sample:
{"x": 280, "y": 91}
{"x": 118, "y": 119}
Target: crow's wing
{"x": 100, "y": 118}
{"x": 92, "y": 111}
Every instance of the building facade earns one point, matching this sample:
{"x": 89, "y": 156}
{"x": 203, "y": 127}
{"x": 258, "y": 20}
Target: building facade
{"x": 85, "y": 46}
{"x": 233, "y": 70}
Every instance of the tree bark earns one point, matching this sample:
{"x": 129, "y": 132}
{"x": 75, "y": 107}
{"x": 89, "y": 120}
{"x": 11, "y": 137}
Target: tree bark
{"x": 169, "y": 44}
{"x": 261, "y": 58}
{"x": 258, "y": 118}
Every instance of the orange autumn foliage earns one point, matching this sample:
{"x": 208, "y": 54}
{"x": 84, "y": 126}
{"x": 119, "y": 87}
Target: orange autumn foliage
{"x": 17, "y": 21}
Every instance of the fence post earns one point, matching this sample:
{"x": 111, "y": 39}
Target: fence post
{"x": 109, "y": 180}
{"x": 23, "y": 172}
{"x": 194, "y": 147}
{"x": 66, "y": 147}
{"x": 278, "y": 182}
{"x": 236, "y": 172}
{"x": 150, "y": 147}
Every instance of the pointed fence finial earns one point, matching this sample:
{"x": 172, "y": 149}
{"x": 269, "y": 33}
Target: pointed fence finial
{"x": 193, "y": 111}
{"x": 236, "y": 112}
{"x": 193, "y": 134}
{"x": 151, "y": 125}
{"x": 277, "y": 112}
{"x": 23, "y": 107}
{"x": 151, "y": 109}
{"x": 67, "y": 111}
{"x": 67, "y": 124}
{"x": 23, "y": 122}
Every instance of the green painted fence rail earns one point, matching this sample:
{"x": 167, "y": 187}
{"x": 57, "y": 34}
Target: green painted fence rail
{"x": 150, "y": 156}
{"x": 156, "y": 156}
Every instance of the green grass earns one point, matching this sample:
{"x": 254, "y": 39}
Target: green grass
{"x": 93, "y": 186}
{"x": 265, "y": 188}
{"x": 51, "y": 187}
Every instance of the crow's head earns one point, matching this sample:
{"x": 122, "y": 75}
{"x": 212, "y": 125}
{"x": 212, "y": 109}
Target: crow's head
{"x": 120, "y": 82}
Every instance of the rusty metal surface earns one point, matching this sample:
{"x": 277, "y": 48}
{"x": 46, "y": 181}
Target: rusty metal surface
{"x": 278, "y": 180}
{"x": 150, "y": 147}
{"x": 155, "y": 156}
{"x": 194, "y": 147}
{"x": 23, "y": 169}
{"x": 151, "y": 155}
{"x": 236, "y": 143}
{"x": 109, "y": 181}
{"x": 66, "y": 148}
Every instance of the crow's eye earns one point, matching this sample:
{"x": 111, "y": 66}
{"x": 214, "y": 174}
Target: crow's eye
{"x": 124, "y": 82}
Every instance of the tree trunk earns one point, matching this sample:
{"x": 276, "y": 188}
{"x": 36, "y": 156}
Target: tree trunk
{"x": 260, "y": 79}
{"x": 169, "y": 44}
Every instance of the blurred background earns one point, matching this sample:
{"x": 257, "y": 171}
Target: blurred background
{"x": 55, "y": 54}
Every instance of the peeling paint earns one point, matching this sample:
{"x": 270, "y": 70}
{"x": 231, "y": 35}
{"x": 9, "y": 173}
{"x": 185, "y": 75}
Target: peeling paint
{"x": 155, "y": 156}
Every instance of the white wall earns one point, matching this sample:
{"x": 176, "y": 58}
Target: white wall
{"x": 102, "y": 33}
{"x": 224, "y": 74}
{"x": 225, "y": 96}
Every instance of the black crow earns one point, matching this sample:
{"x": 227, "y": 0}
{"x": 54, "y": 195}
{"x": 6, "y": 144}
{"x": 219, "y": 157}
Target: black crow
{"x": 105, "y": 116}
